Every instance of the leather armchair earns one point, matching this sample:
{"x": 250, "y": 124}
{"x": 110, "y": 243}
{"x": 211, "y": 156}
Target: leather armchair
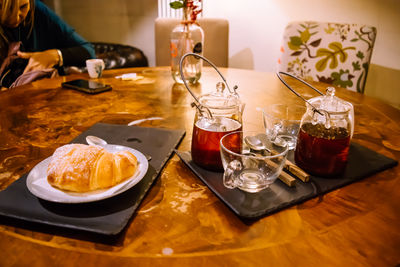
{"x": 119, "y": 56}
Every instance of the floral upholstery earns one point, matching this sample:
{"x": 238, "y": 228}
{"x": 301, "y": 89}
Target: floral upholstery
{"x": 333, "y": 53}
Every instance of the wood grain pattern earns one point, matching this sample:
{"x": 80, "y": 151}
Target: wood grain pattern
{"x": 180, "y": 222}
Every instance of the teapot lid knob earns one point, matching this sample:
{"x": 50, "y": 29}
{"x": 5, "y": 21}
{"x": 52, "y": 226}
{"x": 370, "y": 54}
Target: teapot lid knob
{"x": 220, "y": 87}
{"x": 330, "y": 91}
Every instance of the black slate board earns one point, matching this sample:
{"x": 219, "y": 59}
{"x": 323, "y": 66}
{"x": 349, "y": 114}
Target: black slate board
{"x": 105, "y": 217}
{"x": 362, "y": 163}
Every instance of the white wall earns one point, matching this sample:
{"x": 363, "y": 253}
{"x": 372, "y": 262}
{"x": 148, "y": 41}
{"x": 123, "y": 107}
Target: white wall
{"x": 117, "y": 21}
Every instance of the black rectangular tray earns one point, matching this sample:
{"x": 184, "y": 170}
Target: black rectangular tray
{"x": 105, "y": 217}
{"x": 362, "y": 162}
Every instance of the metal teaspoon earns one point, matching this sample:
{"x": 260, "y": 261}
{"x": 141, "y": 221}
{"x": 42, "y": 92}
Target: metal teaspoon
{"x": 94, "y": 140}
{"x": 256, "y": 144}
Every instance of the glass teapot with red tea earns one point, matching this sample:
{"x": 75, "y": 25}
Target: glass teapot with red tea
{"x": 325, "y": 132}
{"x": 217, "y": 114}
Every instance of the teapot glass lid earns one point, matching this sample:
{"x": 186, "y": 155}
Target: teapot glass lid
{"x": 330, "y": 103}
{"x": 220, "y": 99}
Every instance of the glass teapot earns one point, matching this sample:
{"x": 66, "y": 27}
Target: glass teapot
{"x": 217, "y": 114}
{"x": 325, "y": 132}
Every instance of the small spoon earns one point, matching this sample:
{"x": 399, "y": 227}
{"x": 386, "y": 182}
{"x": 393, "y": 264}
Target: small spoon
{"x": 143, "y": 120}
{"x": 255, "y": 144}
{"x": 94, "y": 140}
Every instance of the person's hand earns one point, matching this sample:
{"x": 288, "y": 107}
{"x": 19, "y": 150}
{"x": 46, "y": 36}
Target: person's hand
{"x": 40, "y": 60}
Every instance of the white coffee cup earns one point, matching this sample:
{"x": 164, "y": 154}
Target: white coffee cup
{"x": 95, "y": 67}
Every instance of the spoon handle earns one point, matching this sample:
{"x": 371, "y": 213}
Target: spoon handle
{"x": 297, "y": 171}
{"x": 291, "y": 167}
{"x": 287, "y": 179}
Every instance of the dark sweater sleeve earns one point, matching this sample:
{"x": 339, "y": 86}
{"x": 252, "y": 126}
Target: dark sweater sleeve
{"x": 53, "y": 33}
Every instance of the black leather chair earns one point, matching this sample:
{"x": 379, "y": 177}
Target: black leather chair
{"x": 117, "y": 56}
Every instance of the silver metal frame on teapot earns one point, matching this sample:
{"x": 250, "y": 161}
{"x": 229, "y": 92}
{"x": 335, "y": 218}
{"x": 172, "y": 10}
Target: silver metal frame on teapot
{"x": 197, "y": 103}
{"x": 304, "y": 82}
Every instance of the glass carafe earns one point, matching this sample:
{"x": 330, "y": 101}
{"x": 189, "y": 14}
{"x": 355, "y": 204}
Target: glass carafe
{"x": 186, "y": 37}
{"x": 220, "y": 114}
{"x": 325, "y": 133}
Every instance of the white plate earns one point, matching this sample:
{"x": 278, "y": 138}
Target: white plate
{"x": 37, "y": 182}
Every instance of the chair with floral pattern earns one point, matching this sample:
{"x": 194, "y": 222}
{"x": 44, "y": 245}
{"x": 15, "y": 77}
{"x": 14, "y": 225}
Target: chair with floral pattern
{"x": 338, "y": 54}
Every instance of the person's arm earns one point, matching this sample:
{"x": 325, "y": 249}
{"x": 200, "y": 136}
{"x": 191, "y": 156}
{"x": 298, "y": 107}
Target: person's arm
{"x": 41, "y": 60}
{"x": 74, "y": 49}
{"x": 53, "y": 42}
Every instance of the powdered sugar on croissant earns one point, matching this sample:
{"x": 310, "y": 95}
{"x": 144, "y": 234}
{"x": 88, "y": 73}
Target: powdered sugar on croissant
{"x": 83, "y": 168}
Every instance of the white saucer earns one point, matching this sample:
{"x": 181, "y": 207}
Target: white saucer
{"x": 37, "y": 181}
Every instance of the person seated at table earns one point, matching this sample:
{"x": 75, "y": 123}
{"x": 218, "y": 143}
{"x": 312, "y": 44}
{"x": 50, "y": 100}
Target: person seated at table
{"x": 46, "y": 40}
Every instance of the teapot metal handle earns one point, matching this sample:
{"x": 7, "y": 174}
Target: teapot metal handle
{"x": 304, "y": 82}
{"x": 197, "y": 103}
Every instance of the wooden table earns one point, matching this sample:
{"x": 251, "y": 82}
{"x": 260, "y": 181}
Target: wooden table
{"x": 181, "y": 222}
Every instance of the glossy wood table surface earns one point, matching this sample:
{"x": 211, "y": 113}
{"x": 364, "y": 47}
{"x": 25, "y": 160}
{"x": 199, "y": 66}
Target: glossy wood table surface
{"x": 181, "y": 222}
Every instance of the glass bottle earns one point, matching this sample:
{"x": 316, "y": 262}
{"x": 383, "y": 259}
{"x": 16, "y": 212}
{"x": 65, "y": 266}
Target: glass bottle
{"x": 186, "y": 37}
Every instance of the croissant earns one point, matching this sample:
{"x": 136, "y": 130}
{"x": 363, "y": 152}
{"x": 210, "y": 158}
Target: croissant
{"x": 84, "y": 168}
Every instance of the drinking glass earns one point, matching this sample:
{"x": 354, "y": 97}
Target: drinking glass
{"x": 247, "y": 169}
{"x": 282, "y": 122}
